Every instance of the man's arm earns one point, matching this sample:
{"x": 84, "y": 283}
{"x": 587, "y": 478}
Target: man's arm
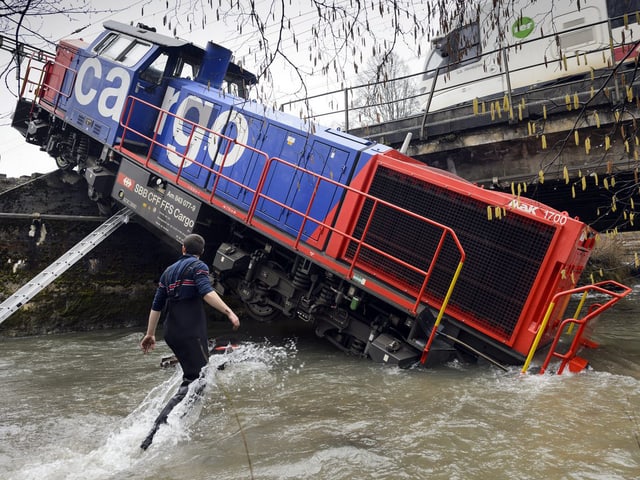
{"x": 213, "y": 299}
{"x": 148, "y": 343}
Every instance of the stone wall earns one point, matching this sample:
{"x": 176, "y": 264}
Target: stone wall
{"x": 111, "y": 287}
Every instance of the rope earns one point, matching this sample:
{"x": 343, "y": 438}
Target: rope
{"x": 235, "y": 414}
{"x": 20, "y": 185}
{"x": 634, "y": 422}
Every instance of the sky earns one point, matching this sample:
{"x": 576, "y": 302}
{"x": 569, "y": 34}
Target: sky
{"x": 18, "y": 158}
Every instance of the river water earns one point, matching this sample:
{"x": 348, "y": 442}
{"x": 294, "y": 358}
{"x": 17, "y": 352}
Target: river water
{"x": 288, "y": 406}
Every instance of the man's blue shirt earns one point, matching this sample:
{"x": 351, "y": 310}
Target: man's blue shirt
{"x": 193, "y": 282}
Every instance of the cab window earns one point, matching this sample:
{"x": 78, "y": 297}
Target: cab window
{"x": 112, "y": 46}
{"x": 154, "y": 72}
{"x": 461, "y": 45}
{"x": 122, "y": 49}
{"x": 187, "y": 68}
{"x": 616, "y": 10}
{"x": 134, "y": 53}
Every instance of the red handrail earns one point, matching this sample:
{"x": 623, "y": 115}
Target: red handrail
{"x": 594, "y": 310}
{"x": 258, "y": 193}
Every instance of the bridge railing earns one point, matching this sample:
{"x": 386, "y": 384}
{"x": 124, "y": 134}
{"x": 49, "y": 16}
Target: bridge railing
{"x": 352, "y": 107}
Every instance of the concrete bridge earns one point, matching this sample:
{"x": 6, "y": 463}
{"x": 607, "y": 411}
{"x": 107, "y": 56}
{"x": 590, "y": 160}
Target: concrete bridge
{"x": 572, "y": 145}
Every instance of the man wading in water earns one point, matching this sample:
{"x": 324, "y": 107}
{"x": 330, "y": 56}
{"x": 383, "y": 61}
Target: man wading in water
{"x": 182, "y": 288}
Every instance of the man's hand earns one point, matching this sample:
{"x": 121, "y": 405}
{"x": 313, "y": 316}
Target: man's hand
{"x": 235, "y": 321}
{"x": 148, "y": 343}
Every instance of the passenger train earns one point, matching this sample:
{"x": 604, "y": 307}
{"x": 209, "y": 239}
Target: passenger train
{"x": 518, "y": 45}
{"x": 386, "y": 258}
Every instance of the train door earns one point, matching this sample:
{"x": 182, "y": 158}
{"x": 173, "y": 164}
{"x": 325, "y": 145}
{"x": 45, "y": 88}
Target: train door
{"x": 148, "y": 87}
{"x": 329, "y": 160}
{"x": 149, "y": 84}
{"x": 282, "y": 180}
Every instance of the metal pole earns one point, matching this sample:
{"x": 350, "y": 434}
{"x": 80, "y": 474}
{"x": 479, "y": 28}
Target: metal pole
{"x": 428, "y": 105}
{"x": 508, "y": 76}
{"x": 346, "y": 109}
{"x": 34, "y": 216}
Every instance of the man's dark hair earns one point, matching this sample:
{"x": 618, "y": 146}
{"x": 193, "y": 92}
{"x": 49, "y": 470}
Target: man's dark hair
{"x": 193, "y": 244}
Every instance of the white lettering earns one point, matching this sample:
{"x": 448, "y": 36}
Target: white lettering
{"x": 182, "y": 131}
{"x": 559, "y": 218}
{"x": 93, "y": 65}
{"x": 555, "y": 217}
{"x": 191, "y": 117}
{"x": 114, "y": 95}
{"x": 167, "y": 207}
{"x": 523, "y": 207}
{"x": 235, "y": 150}
{"x": 170, "y": 99}
{"x": 186, "y": 221}
{"x": 153, "y": 197}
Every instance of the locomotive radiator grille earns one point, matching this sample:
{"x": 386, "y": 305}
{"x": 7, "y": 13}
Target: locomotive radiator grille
{"x": 503, "y": 256}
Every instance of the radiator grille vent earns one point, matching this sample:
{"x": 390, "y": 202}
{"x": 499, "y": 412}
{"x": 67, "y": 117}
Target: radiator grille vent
{"x": 503, "y": 256}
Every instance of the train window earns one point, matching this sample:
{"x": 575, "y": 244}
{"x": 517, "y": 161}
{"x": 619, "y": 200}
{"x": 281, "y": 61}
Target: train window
{"x": 231, "y": 88}
{"x": 133, "y": 53}
{"x": 105, "y": 42}
{"x": 187, "y": 68}
{"x": 154, "y": 72}
{"x": 112, "y": 46}
{"x": 461, "y": 45}
{"x": 120, "y": 48}
{"x": 617, "y": 8}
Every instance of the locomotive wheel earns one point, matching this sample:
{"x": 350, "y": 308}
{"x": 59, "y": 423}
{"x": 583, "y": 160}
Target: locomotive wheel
{"x": 259, "y": 301}
{"x": 64, "y": 164}
{"x": 262, "y": 311}
{"x": 260, "y": 305}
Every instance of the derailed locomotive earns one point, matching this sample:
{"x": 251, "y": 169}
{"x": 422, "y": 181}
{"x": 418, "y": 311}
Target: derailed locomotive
{"x": 386, "y": 257}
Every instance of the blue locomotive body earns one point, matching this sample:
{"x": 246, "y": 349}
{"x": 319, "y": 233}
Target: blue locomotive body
{"x": 204, "y": 132}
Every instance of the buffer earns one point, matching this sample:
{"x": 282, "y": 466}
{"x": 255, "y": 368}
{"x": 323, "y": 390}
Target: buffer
{"x": 62, "y": 264}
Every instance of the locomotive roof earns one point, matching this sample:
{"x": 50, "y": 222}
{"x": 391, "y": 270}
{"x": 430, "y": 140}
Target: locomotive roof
{"x": 147, "y": 34}
{"x": 234, "y": 72}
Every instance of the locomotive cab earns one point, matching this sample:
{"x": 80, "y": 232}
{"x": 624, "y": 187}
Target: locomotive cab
{"x": 133, "y": 65}
{"x": 93, "y": 88}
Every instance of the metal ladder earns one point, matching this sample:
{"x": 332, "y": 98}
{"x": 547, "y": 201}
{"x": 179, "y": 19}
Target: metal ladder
{"x": 62, "y": 264}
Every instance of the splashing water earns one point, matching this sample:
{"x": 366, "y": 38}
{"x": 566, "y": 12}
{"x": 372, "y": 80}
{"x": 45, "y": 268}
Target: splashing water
{"x": 82, "y": 405}
{"x": 119, "y": 450}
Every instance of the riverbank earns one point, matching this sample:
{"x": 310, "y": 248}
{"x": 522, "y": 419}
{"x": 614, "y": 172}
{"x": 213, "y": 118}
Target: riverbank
{"x": 111, "y": 287}
{"x": 616, "y": 257}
